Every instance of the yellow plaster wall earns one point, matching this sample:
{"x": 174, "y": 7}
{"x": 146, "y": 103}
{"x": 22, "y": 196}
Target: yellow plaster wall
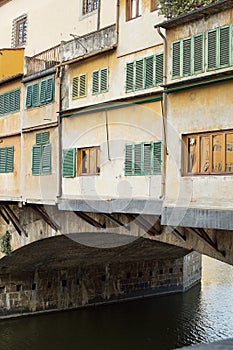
{"x": 11, "y": 62}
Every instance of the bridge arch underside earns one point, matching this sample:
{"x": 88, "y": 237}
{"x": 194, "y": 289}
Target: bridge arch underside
{"x": 60, "y": 273}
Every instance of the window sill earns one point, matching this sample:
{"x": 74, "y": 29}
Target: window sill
{"x": 131, "y": 19}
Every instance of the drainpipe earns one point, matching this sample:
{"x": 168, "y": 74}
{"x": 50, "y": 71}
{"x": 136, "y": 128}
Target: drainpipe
{"x": 117, "y": 19}
{"x": 164, "y": 115}
{"x": 98, "y": 15}
{"x": 59, "y": 120}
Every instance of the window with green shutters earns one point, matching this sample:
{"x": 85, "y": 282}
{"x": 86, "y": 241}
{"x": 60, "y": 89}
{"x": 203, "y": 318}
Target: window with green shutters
{"x": 40, "y": 93}
{"x": 10, "y": 102}
{"x": 7, "y": 159}
{"x": 219, "y": 47}
{"x": 144, "y": 73}
{"x": 100, "y": 81}
{"x": 143, "y": 159}
{"x": 42, "y": 154}
{"x": 69, "y": 162}
{"x": 79, "y": 86}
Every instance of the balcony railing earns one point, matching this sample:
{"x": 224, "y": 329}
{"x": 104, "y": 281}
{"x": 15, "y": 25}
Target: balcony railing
{"x": 42, "y": 61}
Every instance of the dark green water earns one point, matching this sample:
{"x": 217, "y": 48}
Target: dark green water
{"x": 203, "y": 314}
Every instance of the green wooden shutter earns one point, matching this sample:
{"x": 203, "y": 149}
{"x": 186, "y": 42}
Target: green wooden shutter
{"x": 10, "y": 159}
{"x": 6, "y": 103}
{"x": 11, "y": 101}
{"x": 43, "y": 91}
{"x": 176, "y": 53}
{"x": 129, "y": 77}
{"x": 104, "y": 80}
{"x": 75, "y": 87}
{"x": 198, "y": 53}
{"x": 139, "y": 76}
{"x": 157, "y": 157}
{"x": 138, "y": 160}
{"x": 36, "y": 159}
{"x": 49, "y": 89}
{"x": 95, "y": 82}
{"x": 212, "y": 49}
{"x": 29, "y": 96}
{"x": 69, "y": 162}
{"x": 82, "y": 85}
{"x": 224, "y": 46}
{"x": 149, "y": 72}
{"x": 42, "y": 138}
{"x": 46, "y": 159}
{"x": 159, "y": 69}
{"x": 187, "y": 57}
{"x": 147, "y": 158}
{"x": 2, "y": 160}
{"x": 129, "y": 160}
{"x": 17, "y": 100}
{"x": 35, "y": 94}
{"x": 1, "y": 104}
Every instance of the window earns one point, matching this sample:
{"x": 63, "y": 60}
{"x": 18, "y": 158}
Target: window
{"x": 143, "y": 158}
{"x": 90, "y": 5}
{"x": 10, "y": 102}
{"x": 209, "y": 153}
{"x": 41, "y": 154}
{"x": 89, "y": 161}
{"x": 69, "y": 162}
{"x": 40, "y": 93}
{"x": 100, "y": 81}
{"x": 133, "y": 9}
{"x": 155, "y": 5}
{"x": 7, "y": 159}
{"x": 144, "y": 73}
{"x": 79, "y": 86}
{"x": 19, "y": 31}
{"x": 218, "y": 47}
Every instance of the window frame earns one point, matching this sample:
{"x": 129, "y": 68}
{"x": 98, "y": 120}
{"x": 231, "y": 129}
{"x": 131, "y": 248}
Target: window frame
{"x": 198, "y": 136}
{"x": 97, "y": 76}
{"x": 19, "y": 40}
{"x": 96, "y": 161}
{"x": 7, "y": 159}
{"x": 93, "y": 4}
{"x": 77, "y": 86}
{"x": 129, "y": 9}
{"x": 38, "y": 154}
{"x": 154, "y": 5}
{"x": 34, "y": 93}
{"x": 5, "y": 110}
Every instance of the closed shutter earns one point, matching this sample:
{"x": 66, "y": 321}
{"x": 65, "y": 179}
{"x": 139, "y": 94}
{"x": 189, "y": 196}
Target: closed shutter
{"x": 139, "y": 76}
{"x": 129, "y": 160}
{"x": 49, "y": 89}
{"x": 17, "y": 100}
{"x": 187, "y": 57}
{"x": 1, "y": 104}
{"x": 224, "y": 46}
{"x": 10, "y": 159}
{"x": 129, "y": 77}
{"x": 104, "y": 80}
{"x": 46, "y": 159}
{"x": 157, "y": 158}
{"x": 75, "y": 87}
{"x": 6, "y": 103}
{"x": 35, "y": 95}
{"x": 159, "y": 69}
{"x": 212, "y": 49}
{"x": 42, "y": 137}
{"x": 2, "y": 160}
{"x": 36, "y": 159}
{"x": 11, "y": 101}
{"x": 95, "y": 82}
{"x": 149, "y": 72}
{"x": 29, "y": 96}
{"x": 198, "y": 53}
{"x": 147, "y": 158}
{"x": 138, "y": 167}
{"x": 82, "y": 85}
{"x": 69, "y": 162}
{"x": 43, "y": 91}
{"x": 176, "y": 52}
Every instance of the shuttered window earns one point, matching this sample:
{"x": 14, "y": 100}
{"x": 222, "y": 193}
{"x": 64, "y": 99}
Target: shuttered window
{"x": 144, "y": 73}
{"x": 143, "y": 159}
{"x": 100, "y": 81}
{"x": 10, "y": 102}
{"x": 79, "y": 86}
{"x": 69, "y": 162}
{"x": 219, "y": 47}
{"x": 7, "y": 159}
{"x": 40, "y": 93}
{"x": 42, "y": 155}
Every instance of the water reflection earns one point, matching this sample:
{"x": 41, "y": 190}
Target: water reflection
{"x": 203, "y": 314}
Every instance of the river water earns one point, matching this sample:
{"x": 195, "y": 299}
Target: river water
{"x": 203, "y": 314}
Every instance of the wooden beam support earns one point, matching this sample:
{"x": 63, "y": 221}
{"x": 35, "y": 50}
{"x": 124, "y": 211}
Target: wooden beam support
{"x": 15, "y": 221}
{"x": 178, "y": 234}
{"x": 144, "y": 224}
{"x": 116, "y": 221}
{"x": 4, "y": 217}
{"x": 89, "y": 219}
{"x": 202, "y": 234}
{"x": 43, "y": 214}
